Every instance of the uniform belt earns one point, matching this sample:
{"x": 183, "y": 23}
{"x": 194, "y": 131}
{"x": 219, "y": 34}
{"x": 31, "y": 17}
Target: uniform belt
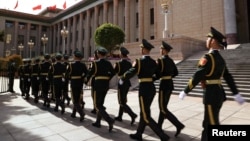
{"x": 26, "y": 74}
{"x": 76, "y": 77}
{"x": 145, "y": 80}
{"x": 44, "y": 73}
{"x": 102, "y": 77}
{"x": 34, "y": 74}
{"x": 166, "y": 77}
{"x": 57, "y": 76}
{"x": 215, "y": 81}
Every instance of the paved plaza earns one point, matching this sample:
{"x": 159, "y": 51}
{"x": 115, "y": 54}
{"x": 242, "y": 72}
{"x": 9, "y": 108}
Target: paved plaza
{"x": 23, "y": 120}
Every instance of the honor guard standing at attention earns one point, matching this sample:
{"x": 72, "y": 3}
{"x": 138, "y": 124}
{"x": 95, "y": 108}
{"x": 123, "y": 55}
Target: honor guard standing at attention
{"x": 27, "y": 79}
{"x": 21, "y": 77}
{"x": 103, "y": 71}
{"x": 45, "y": 79}
{"x": 76, "y": 72}
{"x": 11, "y": 74}
{"x": 66, "y": 82}
{"x": 145, "y": 67}
{"x": 56, "y": 72}
{"x": 120, "y": 68}
{"x": 35, "y": 78}
{"x": 166, "y": 71}
{"x": 211, "y": 69}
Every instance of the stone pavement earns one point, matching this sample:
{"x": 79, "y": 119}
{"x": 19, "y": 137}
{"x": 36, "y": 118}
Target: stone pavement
{"x": 23, "y": 120}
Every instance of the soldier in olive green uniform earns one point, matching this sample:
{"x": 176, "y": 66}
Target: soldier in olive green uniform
{"x": 167, "y": 70}
{"x": 66, "y": 82}
{"x": 212, "y": 67}
{"x": 145, "y": 67}
{"x": 35, "y": 78}
{"x": 76, "y": 72}
{"x": 56, "y": 72}
{"x": 44, "y": 78}
{"x": 103, "y": 71}
{"x": 27, "y": 79}
{"x": 121, "y": 67}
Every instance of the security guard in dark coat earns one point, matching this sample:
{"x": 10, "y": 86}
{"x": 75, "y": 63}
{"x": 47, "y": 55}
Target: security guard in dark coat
{"x": 44, "y": 78}
{"x": 120, "y": 68}
{"x": 56, "y": 72}
{"x": 145, "y": 67}
{"x": 35, "y": 78}
{"x": 103, "y": 71}
{"x": 212, "y": 67}
{"x": 66, "y": 82}
{"x": 27, "y": 79}
{"x": 166, "y": 71}
{"x": 76, "y": 72}
{"x": 11, "y": 74}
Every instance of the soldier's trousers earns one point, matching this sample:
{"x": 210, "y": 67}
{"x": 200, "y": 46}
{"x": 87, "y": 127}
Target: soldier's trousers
{"x": 76, "y": 98}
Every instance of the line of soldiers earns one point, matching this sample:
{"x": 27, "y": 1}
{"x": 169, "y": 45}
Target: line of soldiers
{"x": 50, "y": 76}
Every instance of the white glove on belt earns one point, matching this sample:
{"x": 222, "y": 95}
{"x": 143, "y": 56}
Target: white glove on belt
{"x": 120, "y": 82}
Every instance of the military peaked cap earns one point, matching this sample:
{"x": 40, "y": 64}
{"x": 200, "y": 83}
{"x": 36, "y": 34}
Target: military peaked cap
{"x": 65, "y": 56}
{"x": 166, "y": 46}
{"x": 78, "y": 54}
{"x": 47, "y": 56}
{"x": 124, "y": 51}
{"x": 146, "y": 44}
{"x": 102, "y": 50}
{"x": 216, "y": 35}
{"x": 58, "y": 56}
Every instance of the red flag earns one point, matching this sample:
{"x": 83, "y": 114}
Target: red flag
{"x": 16, "y": 4}
{"x": 64, "y": 5}
{"x": 52, "y": 7}
{"x": 37, "y": 7}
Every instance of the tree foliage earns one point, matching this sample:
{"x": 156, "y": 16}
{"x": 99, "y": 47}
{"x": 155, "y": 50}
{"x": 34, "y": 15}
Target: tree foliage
{"x": 109, "y": 35}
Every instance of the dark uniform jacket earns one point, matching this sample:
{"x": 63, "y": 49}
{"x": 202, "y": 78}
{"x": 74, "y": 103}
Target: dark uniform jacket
{"x": 76, "y": 72}
{"x": 121, "y": 67}
{"x": 166, "y": 71}
{"x": 212, "y": 67}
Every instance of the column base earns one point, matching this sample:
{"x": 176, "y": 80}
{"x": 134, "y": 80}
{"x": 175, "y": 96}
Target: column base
{"x": 231, "y": 38}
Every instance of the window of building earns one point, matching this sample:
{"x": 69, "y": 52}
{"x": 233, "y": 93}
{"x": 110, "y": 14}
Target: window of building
{"x": 152, "y": 16}
{"x": 20, "y": 39}
{"x": 22, "y": 26}
{"x": 152, "y": 37}
{"x": 83, "y": 33}
{"x": 9, "y": 24}
{"x": 33, "y": 27}
{"x": 44, "y": 29}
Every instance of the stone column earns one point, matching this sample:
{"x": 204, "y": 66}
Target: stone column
{"x": 67, "y": 44}
{"x": 230, "y": 21}
{"x": 105, "y": 11}
{"x": 80, "y": 29}
{"x": 127, "y": 21}
{"x": 73, "y": 30}
{"x": 115, "y": 13}
{"x": 87, "y": 38}
{"x": 141, "y": 19}
{"x": 54, "y": 40}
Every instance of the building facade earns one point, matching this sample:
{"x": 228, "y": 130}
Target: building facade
{"x": 138, "y": 18}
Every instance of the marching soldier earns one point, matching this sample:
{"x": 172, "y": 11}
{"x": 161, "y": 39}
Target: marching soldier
{"x": 212, "y": 67}
{"x": 35, "y": 79}
{"x": 120, "y": 68}
{"x": 21, "y": 77}
{"x": 167, "y": 70}
{"x": 66, "y": 82}
{"x": 56, "y": 72}
{"x": 103, "y": 71}
{"x": 76, "y": 72}
{"x": 92, "y": 84}
{"x": 145, "y": 67}
{"x": 27, "y": 79}
{"x": 45, "y": 79}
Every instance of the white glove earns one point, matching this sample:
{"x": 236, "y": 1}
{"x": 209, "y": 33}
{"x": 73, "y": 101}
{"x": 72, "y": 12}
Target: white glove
{"x": 182, "y": 95}
{"x": 239, "y": 98}
{"x": 28, "y": 79}
{"x": 120, "y": 82}
{"x": 63, "y": 79}
{"x": 37, "y": 78}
